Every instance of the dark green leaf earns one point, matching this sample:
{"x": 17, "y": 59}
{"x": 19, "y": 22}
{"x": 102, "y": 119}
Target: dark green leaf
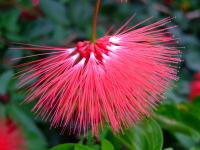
{"x": 39, "y": 28}
{"x": 143, "y": 136}
{"x": 63, "y": 147}
{"x": 168, "y": 148}
{"x": 195, "y": 148}
{"x": 82, "y": 147}
{"x": 54, "y": 10}
{"x": 193, "y": 60}
{"x": 106, "y": 145}
{"x": 182, "y": 121}
{"x": 4, "y": 80}
{"x": 70, "y": 146}
{"x": 2, "y": 111}
{"x": 9, "y": 20}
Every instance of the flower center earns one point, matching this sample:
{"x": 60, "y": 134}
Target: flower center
{"x": 86, "y": 49}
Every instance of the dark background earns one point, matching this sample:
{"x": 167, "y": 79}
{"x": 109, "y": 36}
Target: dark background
{"x": 176, "y": 123}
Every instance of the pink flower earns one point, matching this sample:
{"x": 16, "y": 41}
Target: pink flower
{"x": 4, "y": 98}
{"x": 35, "y": 2}
{"x": 195, "y": 87}
{"x": 116, "y": 79}
{"x": 11, "y": 137}
{"x": 168, "y": 2}
{"x": 27, "y": 15}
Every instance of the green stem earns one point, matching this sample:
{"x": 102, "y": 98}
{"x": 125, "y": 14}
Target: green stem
{"x": 94, "y": 30}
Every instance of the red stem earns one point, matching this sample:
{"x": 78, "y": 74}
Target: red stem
{"x": 96, "y": 11}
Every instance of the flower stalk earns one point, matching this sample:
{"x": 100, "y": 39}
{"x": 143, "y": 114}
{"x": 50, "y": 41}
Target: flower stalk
{"x": 95, "y": 15}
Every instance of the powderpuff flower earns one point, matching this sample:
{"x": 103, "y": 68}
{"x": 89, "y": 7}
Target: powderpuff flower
{"x": 11, "y": 137}
{"x": 117, "y": 79}
{"x": 195, "y": 87}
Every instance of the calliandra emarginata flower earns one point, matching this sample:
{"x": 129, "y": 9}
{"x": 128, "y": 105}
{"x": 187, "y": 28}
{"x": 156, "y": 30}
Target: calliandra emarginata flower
{"x": 11, "y": 137}
{"x": 117, "y": 79}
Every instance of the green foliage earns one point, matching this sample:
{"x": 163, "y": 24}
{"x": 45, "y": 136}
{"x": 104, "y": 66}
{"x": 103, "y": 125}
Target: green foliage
{"x": 182, "y": 121}
{"x": 81, "y": 147}
{"x": 54, "y": 10}
{"x": 145, "y": 135}
{"x": 176, "y": 123}
{"x": 107, "y": 145}
{"x": 5, "y": 79}
{"x": 64, "y": 147}
{"x": 2, "y": 111}
{"x": 35, "y": 139}
{"x": 71, "y": 147}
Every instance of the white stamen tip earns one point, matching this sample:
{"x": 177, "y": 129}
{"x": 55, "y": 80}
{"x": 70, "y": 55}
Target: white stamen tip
{"x": 82, "y": 62}
{"x": 114, "y": 39}
{"x": 105, "y": 56}
{"x": 113, "y": 47}
{"x": 75, "y": 56}
{"x": 70, "y": 50}
{"x": 92, "y": 56}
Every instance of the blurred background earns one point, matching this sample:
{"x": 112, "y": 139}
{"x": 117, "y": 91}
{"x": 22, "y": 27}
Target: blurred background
{"x": 175, "y": 125}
